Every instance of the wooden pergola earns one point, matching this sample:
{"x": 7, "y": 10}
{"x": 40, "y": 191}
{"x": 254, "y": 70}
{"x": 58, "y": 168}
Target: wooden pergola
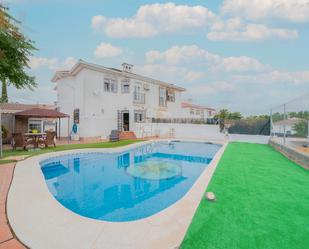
{"x": 45, "y": 113}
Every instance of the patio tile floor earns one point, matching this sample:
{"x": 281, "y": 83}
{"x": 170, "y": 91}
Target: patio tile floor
{"x": 7, "y": 239}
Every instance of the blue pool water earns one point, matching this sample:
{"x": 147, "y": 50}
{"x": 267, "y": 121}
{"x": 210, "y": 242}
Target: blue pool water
{"x": 129, "y": 185}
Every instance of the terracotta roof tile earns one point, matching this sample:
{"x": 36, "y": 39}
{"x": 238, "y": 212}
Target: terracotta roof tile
{"x": 16, "y": 107}
{"x": 44, "y": 113}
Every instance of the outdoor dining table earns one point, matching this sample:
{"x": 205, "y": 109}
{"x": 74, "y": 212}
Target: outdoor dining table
{"x": 35, "y": 137}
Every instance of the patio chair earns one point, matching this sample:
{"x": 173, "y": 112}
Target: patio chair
{"x": 49, "y": 139}
{"x": 19, "y": 140}
{"x": 114, "y": 136}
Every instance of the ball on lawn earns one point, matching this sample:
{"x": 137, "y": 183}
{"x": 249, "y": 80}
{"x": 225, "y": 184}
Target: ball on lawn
{"x": 210, "y": 196}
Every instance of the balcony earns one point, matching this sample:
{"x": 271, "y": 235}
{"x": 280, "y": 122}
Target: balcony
{"x": 138, "y": 98}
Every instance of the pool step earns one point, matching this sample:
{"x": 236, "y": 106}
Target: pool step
{"x": 125, "y": 135}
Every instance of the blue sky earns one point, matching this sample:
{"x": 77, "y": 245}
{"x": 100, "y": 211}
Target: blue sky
{"x": 242, "y": 55}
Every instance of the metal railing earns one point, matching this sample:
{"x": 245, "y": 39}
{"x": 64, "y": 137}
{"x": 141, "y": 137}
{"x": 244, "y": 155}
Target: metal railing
{"x": 139, "y": 98}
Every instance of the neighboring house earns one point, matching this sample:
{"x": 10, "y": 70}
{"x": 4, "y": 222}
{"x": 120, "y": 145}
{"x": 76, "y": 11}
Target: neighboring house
{"x": 288, "y": 125}
{"x": 190, "y": 110}
{"x": 100, "y": 99}
{"x": 16, "y": 123}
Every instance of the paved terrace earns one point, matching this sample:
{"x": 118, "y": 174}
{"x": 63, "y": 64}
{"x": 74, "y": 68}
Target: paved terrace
{"x": 7, "y": 237}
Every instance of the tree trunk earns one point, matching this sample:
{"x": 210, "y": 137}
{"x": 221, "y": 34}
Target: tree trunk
{"x": 4, "y": 94}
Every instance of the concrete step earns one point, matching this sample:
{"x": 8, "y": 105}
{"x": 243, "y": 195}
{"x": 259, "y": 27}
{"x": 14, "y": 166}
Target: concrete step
{"x": 124, "y": 135}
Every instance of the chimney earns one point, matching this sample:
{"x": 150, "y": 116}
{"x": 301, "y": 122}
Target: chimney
{"x": 126, "y": 67}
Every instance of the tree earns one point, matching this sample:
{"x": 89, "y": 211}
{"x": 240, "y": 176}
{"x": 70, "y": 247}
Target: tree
{"x": 234, "y": 115}
{"x": 223, "y": 114}
{"x": 15, "y": 51}
{"x": 301, "y": 128}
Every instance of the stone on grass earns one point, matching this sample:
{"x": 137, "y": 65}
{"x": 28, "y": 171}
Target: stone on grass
{"x": 210, "y": 196}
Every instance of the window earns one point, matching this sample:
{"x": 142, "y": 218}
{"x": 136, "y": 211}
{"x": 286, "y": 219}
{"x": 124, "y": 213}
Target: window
{"x": 138, "y": 95}
{"x": 110, "y": 85}
{"x": 162, "y": 96}
{"x": 35, "y": 124}
{"x": 125, "y": 86}
{"x": 191, "y": 111}
{"x": 76, "y": 116}
{"x": 170, "y": 95}
{"x": 197, "y": 112}
{"x": 139, "y": 116}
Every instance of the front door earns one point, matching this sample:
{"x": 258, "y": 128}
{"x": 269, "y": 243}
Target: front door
{"x": 125, "y": 121}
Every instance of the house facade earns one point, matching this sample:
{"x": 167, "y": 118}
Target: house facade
{"x": 193, "y": 111}
{"x": 100, "y": 99}
{"x": 285, "y": 126}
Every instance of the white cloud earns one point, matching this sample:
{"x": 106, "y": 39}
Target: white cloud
{"x": 235, "y": 30}
{"x": 152, "y": 19}
{"x": 106, "y": 50}
{"x": 181, "y": 54}
{"x": 168, "y": 73}
{"x": 186, "y": 55}
{"x": 38, "y": 62}
{"x": 68, "y": 63}
{"x": 51, "y": 63}
{"x": 276, "y": 77}
{"x": 240, "y": 64}
{"x": 291, "y": 10}
{"x": 211, "y": 88}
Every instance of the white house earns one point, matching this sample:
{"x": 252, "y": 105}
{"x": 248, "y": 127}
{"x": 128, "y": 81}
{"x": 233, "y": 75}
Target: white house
{"x": 191, "y": 110}
{"x": 100, "y": 99}
{"x": 286, "y": 125}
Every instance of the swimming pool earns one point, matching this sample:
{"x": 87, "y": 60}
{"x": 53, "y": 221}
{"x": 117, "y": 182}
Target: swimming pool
{"x": 130, "y": 185}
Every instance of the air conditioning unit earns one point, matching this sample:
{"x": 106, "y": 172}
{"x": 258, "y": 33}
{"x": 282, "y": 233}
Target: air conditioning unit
{"x": 146, "y": 87}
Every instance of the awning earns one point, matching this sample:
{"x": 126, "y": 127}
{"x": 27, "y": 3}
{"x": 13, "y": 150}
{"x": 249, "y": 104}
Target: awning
{"x": 41, "y": 113}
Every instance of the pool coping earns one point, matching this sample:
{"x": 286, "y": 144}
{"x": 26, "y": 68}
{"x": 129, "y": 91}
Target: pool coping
{"x": 40, "y": 221}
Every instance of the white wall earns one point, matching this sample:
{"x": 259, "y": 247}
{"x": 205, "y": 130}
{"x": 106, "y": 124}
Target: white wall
{"x": 280, "y": 129}
{"x": 98, "y": 109}
{"x": 186, "y": 131}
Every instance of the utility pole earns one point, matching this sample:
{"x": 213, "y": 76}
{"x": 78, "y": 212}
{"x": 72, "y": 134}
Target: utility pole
{"x": 284, "y": 125}
{"x": 271, "y": 122}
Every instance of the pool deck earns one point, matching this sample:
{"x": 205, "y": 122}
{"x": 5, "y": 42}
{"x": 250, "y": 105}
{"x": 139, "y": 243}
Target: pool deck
{"x": 7, "y": 238}
{"x": 40, "y": 221}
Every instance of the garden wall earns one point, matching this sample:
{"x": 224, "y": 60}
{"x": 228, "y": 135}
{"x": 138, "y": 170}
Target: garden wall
{"x": 174, "y": 130}
{"x": 294, "y": 155}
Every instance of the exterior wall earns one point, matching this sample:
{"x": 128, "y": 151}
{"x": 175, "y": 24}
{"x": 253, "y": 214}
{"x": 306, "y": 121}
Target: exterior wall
{"x": 21, "y": 125}
{"x": 294, "y": 155}
{"x": 186, "y": 113}
{"x": 279, "y": 129}
{"x": 98, "y": 109}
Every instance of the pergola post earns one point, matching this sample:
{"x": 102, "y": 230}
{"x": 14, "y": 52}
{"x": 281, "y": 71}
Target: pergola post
{"x": 59, "y": 119}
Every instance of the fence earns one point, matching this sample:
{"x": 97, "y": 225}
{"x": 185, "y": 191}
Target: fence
{"x": 289, "y": 123}
{"x": 185, "y": 120}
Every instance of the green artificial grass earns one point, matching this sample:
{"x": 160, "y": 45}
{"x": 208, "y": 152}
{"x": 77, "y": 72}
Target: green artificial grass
{"x": 262, "y": 203}
{"x": 20, "y": 152}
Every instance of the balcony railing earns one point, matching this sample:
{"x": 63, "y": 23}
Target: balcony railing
{"x": 139, "y": 98}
